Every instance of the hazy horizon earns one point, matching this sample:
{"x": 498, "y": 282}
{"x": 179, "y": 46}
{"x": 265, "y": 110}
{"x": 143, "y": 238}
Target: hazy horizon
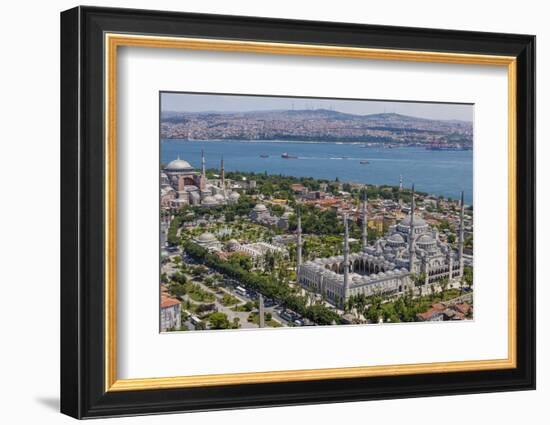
{"x": 222, "y": 103}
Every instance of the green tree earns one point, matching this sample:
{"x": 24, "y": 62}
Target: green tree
{"x": 278, "y": 210}
{"x": 419, "y": 279}
{"x": 199, "y": 271}
{"x": 445, "y": 225}
{"x": 179, "y": 278}
{"x": 241, "y": 260}
{"x": 219, "y": 320}
{"x": 229, "y": 216}
{"x": 468, "y": 277}
{"x": 177, "y": 290}
{"x": 444, "y": 284}
{"x": 236, "y": 323}
{"x": 374, "y": 311}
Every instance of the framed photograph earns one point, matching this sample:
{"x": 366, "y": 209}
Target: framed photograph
{"x": 261, "y": 212}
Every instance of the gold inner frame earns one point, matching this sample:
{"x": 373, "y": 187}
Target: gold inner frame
{"x": 113, "y": 41}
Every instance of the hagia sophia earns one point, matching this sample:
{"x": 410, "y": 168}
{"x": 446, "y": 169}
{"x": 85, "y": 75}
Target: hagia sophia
{"x": 389, "y": 266}
{"x": 182, "y": 185}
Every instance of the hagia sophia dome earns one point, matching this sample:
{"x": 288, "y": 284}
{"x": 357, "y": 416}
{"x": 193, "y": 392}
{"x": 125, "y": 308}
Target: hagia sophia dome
{"x": 178, "y": 165}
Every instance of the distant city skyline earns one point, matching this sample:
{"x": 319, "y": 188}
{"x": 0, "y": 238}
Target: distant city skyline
{"x": 187, "y": 102}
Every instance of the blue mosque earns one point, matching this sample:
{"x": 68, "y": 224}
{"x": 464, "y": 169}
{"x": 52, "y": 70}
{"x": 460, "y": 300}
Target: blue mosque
{"x": 391, "y": 265}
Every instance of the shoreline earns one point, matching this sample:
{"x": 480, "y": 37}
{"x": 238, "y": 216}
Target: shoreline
{"x": 367, "y": 144}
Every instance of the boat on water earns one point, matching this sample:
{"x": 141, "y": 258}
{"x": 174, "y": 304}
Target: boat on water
{"x": 364, "y": 162}
{"x": 287, "y": 156}
{"x": 264, "y": 156}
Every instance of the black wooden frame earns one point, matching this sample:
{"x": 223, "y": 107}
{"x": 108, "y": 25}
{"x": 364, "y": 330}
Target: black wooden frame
{"x": 82, "y": 203}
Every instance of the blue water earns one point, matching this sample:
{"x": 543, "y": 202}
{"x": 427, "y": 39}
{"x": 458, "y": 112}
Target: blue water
{"x": 436, "y": 172}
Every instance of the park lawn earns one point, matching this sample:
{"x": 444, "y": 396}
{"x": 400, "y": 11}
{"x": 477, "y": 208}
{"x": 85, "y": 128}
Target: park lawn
{"x": 229, "y": 299}
{"x": 196, "y": 293}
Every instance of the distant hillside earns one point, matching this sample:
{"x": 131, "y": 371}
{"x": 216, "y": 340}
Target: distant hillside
{"x": 314, "y": 124}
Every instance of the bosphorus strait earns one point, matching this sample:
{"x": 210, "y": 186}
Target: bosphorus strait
{"x": 442, "y": 173}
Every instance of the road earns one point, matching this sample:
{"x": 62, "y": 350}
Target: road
{"x": 227, "y": 310}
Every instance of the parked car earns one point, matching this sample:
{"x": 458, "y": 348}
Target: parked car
{"x": 268, "y": 302}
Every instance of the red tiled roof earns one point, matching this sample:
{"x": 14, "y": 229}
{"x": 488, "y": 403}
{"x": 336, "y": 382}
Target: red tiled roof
{"x": 166, "y": 302}
{"x": 428, "y": 314}
{"x": 438, "y": 306}
{"x": 222, "y": 255}
{"x": 324, "y": 202}
{"x": 464, "y": 308}
{"x": 297, "y": 187}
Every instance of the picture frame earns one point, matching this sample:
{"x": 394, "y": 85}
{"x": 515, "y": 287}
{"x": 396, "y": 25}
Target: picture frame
{"x": 90, "y": 40}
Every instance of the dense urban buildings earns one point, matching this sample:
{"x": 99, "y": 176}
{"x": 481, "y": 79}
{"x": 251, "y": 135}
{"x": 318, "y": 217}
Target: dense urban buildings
{"x": 314, "y": 252}
{"x": 318, "y": 125}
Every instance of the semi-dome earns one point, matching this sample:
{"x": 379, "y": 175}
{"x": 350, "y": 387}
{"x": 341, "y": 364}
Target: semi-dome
{"x": 219, "y": 197}
{"x": 178, "y": 165}
{"x": 417, "y": 222}
{"x": 234, "y": 195}
{"x": 424, "y": 240}
{"x": 397, "y": 238}
{"x": 207, "y": 237}
{"x": 260, "y": 208}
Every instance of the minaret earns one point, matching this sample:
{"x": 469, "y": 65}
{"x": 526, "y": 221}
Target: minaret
{"x": 425, "y": 268}
{"x": 299, "y": 241}
{"x": 203, "y": 165}
{"x": 461, "y": 236}
{"x": 400, "y": 190}
{"x": 450, "y": 255}
{"x": 346, "y": 259}
{"x": 411, "y": 235}
{"x": 364, "y": 219}
{"x": 222, "y": 176}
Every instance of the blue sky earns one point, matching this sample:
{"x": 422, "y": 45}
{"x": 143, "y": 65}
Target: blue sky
{"x": 184, "y": 102}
